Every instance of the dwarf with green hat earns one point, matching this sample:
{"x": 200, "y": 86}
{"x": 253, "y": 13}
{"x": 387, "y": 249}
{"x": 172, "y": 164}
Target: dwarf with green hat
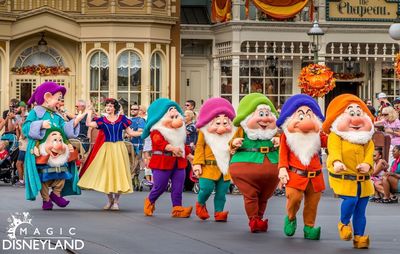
{"x": 167, "y": 131}
{"x": 254, "y": 167}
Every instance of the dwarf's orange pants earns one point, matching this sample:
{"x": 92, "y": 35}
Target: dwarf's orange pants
{"x": 311, "y": 200}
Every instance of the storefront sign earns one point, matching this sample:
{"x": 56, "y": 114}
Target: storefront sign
{"x": 362, "y": 10}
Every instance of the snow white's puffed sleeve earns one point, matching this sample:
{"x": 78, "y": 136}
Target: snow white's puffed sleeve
{"x": 126, "y": 122}
{"x": 99, "y": 121}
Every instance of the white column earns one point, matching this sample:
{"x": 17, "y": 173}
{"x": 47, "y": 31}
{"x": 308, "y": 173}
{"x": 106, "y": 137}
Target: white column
{"x": 296, "y": 72}
{"x": 235, "y": 81}
{"x": 112, "y": 79}
{"x": 84, "y": 79}
{"x": 173, "y": 74}
{"x": 377, "y": 79}
{"x": 166, "y": 73}
{"x": 5, "y": 77}
{"x": 145, "y": 95}
{"x": 236, "y": 9}
{"x": 216, "y": 78}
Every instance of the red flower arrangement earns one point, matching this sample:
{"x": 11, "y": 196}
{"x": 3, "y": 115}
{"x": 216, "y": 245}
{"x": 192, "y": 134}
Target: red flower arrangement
{"x": 41, "y": 70}
{"x": 316, "y": 80}
{"x": 397, "y": 65}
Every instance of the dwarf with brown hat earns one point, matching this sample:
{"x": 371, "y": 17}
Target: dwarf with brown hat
{"x": 350, "y": 162}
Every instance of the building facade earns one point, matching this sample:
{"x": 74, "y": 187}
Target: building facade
{"x": 258, "y": 54}
{"x": 125, "y": 49}
{"x": 139, "y": 50}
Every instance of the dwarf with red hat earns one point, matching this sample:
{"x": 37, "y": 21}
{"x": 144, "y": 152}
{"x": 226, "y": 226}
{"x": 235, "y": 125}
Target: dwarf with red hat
{"x": 299, "y": 163}
{"x": 212, "y": 155}
{"x": 254, "y": 165}
{"x": 350, "y": 163}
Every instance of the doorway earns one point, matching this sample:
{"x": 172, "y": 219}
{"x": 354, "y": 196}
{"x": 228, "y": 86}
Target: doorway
{"x": 342, "y": 88}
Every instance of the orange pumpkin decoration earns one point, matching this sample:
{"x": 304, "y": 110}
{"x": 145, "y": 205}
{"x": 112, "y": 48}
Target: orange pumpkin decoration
{"x": 316, "y": 80}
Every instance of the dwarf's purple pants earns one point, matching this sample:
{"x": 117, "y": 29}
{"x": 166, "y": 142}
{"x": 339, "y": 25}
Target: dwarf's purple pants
{"x": 161, "y": 179}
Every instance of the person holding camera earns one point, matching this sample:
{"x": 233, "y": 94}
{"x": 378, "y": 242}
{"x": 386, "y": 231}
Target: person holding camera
{"x": 10, "y": 116}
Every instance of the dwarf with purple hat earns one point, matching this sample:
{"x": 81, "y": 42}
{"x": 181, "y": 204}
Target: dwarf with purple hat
{"x": 62, "y": 180}
{"x": 299, "y": 162}
{"x": 212, "y": 155}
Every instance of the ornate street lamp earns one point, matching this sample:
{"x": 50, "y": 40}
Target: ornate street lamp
{"x": 315, "y": 34}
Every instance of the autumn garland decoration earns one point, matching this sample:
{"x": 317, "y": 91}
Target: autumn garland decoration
{"x": 397, "y": 65}
{"x": 316, "y": 80}
{"x": 41, "y": 70}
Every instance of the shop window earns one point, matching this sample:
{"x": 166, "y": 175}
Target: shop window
{"x": 129, "y": 69}
{"x": 226, "y": 79}
{"x": 389, "y": 84}
{"x": 99, "y": 79}
{"x": 272, "y": 77}
{"x": 155, "y": 76}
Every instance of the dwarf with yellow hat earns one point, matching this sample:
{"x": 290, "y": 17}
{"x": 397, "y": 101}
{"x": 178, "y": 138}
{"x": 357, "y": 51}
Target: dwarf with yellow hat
{"x": 350, "y": 163}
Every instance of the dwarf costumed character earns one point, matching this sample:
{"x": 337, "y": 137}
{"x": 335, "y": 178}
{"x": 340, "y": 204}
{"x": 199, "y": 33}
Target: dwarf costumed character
{"x": 52, "y": 157}
{"x": 212, "y": 155}
{"x": 350, "y": 163}
{"x": 299, "y": 162}
{"x": 42, "y": 117}
{"x": 167, "y": 131}
{"x": 254, "y": 164}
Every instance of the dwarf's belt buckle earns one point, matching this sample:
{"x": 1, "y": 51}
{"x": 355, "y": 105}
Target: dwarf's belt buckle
{"x": 360, "y": 178}
{"x": 311, "y": 174}
{"x": 264, "y": 149}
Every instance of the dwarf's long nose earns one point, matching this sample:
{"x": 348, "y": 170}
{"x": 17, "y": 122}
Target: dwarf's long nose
{"x": 60, "y": 148}
{"x": 307, "y": 126}
{"x": 177, "y": 123}
{"x": 267, "y": 119}
{"x": 220, "y": 130}
{"x": 357, "y": 121}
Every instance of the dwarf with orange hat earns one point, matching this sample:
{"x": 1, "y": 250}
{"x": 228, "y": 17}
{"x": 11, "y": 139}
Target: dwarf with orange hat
{"x": 350, "y": 163}
{"x": 212, "y": 155}
{"x": 299, "y": 163}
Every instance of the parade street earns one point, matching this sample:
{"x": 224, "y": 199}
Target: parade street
{"x": 128, "y": 231}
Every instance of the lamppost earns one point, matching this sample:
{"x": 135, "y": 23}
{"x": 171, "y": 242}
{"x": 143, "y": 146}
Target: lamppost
{"x": 315, "y": 34}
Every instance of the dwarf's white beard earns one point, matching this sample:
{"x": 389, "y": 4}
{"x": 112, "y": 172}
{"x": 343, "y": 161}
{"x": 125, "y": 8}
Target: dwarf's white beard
{"x": 255, "y": 134}
{"x": 355, "y": 137}
{"x": 59, "y": 161}
{"x": 176, "y": 137}
{"x": 304, "y": 145}
{"x": 219, "y": 145}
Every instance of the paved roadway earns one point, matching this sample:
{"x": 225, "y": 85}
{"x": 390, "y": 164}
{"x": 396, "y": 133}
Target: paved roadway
{"x": 128, "y": 231}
